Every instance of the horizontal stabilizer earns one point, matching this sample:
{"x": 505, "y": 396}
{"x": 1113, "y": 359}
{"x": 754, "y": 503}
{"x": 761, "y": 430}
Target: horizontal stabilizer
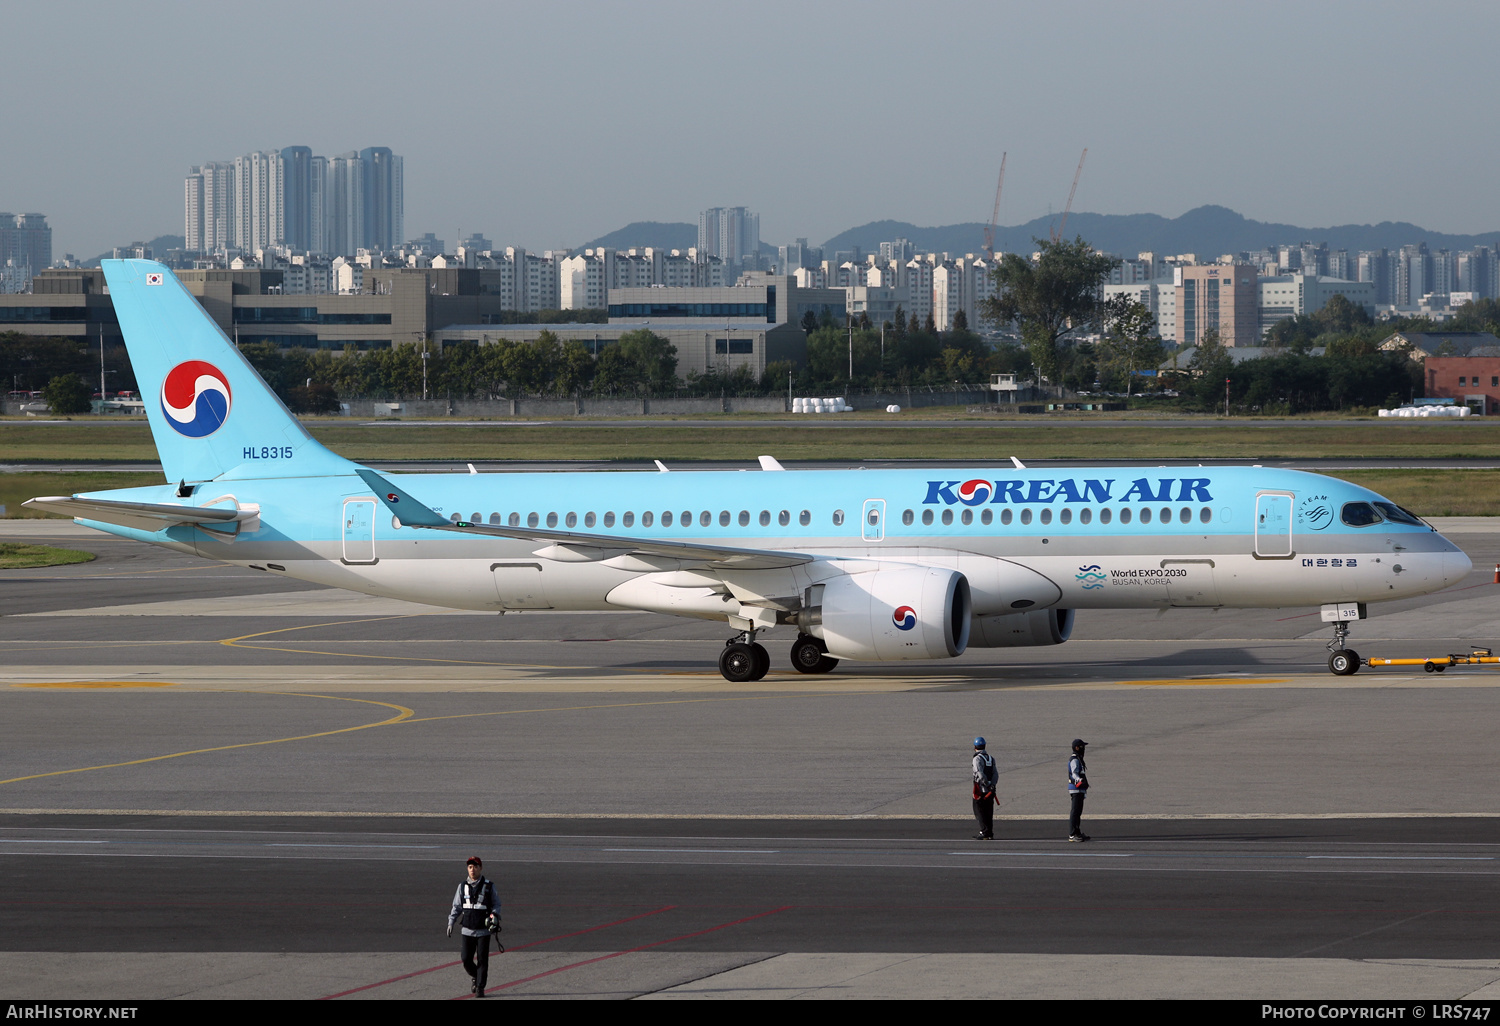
{"x": 146, "y": 516}
{"x": 413, "y": 513}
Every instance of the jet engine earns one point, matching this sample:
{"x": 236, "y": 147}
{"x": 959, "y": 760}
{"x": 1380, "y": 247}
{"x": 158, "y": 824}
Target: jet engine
{"x": 1021, "y": 630}
{"x": 899, "y": 612}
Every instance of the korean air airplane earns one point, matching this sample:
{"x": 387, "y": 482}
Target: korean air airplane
{"x": 857, "y": 564}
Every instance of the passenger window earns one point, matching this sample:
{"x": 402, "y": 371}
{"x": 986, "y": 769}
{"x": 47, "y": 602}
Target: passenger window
{"x": 588, "y": 519}
{"x": 1145, "y": 516}
{"x": 648, "y": 518}
{"x": 1399, "y": 515}
{"x": 1085, "y": 515}
{"x": 986, "y": 516}
{"x": 532, "y": 520}
{"x": 838, "y": 518}
{"x": 947, "y": 517}
{"x": 1106, "y": 515}
{"x": 551, "y": 519}
{"x": 723, "y": 518}
{"x": 1066, "y": 516}
{"x": 515, "y": 520}
{"x": 1026, "y": 516}
{"x": 1046, "y": 516}
{"x": 666, "y": 518}
{"x": 609, "y": 519}
{"x": 783, "y": 518}
{"x": 705, "y": 518}
{"x": 908, "y": 517}
{"x": 1166, "y": 515}
{"x": 765, "y": 518}
{"x": 494, "y": 519}
{"x": 1205, "y": 515}
{"x": 1005, "y": 517}
{"x": 572, "y": 520}
{"x": 1359, "y": 514}
{"x": 477, "y": 518}
{"x": 744, "y": 518}
{"x": 804, "y": 518}
{"x": 456, "y": 517}
{"x": 687, "y": 518}
{"x": 627, "y": 519}
{"x": 967, "y": 516}
{"x": 1185, "y": 515}
{"x": 927, "y": 518}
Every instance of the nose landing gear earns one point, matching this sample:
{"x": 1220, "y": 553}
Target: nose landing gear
{"x": 1343, "y": 662}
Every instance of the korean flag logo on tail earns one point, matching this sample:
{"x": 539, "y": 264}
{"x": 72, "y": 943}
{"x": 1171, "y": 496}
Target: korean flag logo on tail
{"x": 195, "y": 398}
{"x": 154, "y": 278}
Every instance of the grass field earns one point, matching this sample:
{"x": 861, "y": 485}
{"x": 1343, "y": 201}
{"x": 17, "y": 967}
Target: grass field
{"x": 895, "y": 437}
{"x": 16, "y": 556}
{"x": 1428, "y": 492}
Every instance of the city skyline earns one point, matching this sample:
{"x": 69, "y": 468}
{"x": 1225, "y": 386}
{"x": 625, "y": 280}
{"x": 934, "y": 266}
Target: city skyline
{"x": 904, "y": 116}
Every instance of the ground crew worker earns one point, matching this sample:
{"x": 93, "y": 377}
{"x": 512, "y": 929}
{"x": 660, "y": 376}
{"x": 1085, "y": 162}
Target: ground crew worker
{"x": 477, "y": 911}
{"x": 1078, "y": 787}
{"x": 986, "y": 776}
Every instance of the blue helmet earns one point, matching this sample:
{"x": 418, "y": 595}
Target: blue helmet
{"x": 979, "y": 742}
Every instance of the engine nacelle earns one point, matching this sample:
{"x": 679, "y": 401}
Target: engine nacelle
{"x": 1021, "y": 630}
{"x": 905, "y": 612}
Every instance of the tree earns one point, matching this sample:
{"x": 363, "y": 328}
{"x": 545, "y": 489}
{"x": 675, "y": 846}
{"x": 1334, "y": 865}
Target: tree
{"x": 1049, "y": 298}
{"x": 640, "y": 360}
{"x": 1210, "y": 365}
{"x": 66, "y": 394}
{"x": 809, "y": 322}
{"x": 1131, "y": 339}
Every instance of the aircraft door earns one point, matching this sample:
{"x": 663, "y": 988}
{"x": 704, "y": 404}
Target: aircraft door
{"x": 1273, "y": 525}
{"x": 872, "y": 521}
{"x": 359, "y": 531}
{"x": 520, "y": 585}
{"x": 1190, "y": 582}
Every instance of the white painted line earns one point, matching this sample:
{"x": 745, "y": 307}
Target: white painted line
{"x": 710, "y": 851}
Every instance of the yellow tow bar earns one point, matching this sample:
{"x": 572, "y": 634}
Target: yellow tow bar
{"x": 1437, "y": 664}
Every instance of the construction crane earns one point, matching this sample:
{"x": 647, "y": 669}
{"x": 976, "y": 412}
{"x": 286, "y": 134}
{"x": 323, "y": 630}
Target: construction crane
{"x": 1057, "y": 234}
{"x": 989, "y": 232}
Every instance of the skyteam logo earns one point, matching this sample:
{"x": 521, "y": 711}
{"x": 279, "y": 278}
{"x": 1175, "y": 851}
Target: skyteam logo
{"x": 195, "y": 398}
{"x": 905, "y": 618}
{"x": 975, "y": 492}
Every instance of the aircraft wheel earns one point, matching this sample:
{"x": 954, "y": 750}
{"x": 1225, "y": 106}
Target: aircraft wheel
{"x": 809, "y": 655}
{"x": 762, "y": 661}
{"x": 738, "y": 663}
{"x": 1344, "y": 663}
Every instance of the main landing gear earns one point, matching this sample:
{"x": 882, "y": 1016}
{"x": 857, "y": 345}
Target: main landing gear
{"x": 744, "y": 660}
{"x": 1343, "y": 662}
{"x": 809, "y": 655}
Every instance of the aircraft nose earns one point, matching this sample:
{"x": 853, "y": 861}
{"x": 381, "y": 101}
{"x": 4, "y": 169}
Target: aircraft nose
{"x": 1456, "y": 565}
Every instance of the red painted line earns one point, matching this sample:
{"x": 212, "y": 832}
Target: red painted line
{"x": 627, "y": 951}
{"x": 450, "y": 965}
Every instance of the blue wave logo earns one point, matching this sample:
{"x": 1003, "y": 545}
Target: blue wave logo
{"x": 1091, "y": 576}
{"x": 1318, "y": 517}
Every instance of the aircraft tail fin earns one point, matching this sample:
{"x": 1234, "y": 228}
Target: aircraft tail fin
{"x": 211, "y": 414}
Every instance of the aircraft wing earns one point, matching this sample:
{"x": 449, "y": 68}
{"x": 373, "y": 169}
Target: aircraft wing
{"x": 577, "y": 546}
{"x": 147, "y": 516}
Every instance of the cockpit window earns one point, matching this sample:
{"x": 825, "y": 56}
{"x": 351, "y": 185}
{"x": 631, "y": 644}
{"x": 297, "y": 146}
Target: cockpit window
{"x": 1396, "y": 515}
{"x": 1359, "y": 514}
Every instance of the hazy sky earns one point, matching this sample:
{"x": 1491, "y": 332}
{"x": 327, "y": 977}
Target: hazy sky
{"x": 545, "y": 125}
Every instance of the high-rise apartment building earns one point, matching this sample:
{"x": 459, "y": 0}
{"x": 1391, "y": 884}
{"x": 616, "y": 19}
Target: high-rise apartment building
{"x": 732, "y": 234}
{"x": 1222, "y": 297}
{"x": 25, "y": 241}
{"x": 297, "y": 201}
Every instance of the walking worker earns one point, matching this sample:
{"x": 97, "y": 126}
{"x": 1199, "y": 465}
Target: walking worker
{"x": 986, "y": 776}
{"x": 477, "y": 911}
{"x": 1078, "y": 788}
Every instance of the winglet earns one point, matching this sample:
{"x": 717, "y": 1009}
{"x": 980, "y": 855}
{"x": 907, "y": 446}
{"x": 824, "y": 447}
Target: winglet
{"x": 770, "y": 463}
{"x": 661, "y": 466}
{"x": 410, "y": 512}
{"x": 1018, "y": 463}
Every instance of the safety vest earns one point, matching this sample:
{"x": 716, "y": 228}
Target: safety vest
{"x": 475, "y": 910}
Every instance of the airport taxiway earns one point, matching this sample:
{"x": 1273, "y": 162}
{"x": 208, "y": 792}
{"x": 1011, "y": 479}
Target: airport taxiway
{"x": 247, "y": 767}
